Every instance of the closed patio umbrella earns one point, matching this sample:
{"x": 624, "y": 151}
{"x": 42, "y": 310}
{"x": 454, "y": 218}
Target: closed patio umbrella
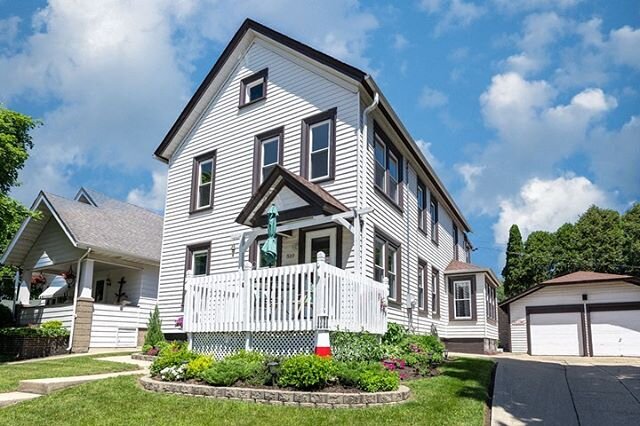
{"x": 269, "y": 250}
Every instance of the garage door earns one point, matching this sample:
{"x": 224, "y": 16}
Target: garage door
{"x": 615, "y": 333}
{"x": 556, "y": 334}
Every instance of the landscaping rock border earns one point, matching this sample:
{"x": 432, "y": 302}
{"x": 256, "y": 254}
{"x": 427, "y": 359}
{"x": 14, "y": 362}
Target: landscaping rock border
{"x": 143, "y": 357}
{"x": 282, "y": 397}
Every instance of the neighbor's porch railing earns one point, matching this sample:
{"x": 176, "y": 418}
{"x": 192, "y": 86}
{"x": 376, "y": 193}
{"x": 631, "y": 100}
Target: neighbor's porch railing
{"x": 288, "y": 298}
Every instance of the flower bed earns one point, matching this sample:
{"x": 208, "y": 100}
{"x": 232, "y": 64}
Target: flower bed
{"x": 318, "y": 399}
{"x": 51, "y": 338}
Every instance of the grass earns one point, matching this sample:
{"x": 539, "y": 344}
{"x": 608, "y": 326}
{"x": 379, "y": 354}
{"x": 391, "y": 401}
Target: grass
{"x": 11, "y": 374}
{"x": 456, "y": 397}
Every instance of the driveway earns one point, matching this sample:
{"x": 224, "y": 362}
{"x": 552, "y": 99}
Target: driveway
{"x": 566, "y": 392}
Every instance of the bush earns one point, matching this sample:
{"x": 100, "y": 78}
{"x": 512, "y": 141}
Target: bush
{"x": 198, "y": 365}
{"x": 230, "y": 371}
{"x": 246, "y": 356}
{"x": 35, "y": 331}
{"x": 306, "y": 371}
{"x": 173, "y": 355}
{"x": 355, "y": 347}
{"x": 154, "y": 334}
{"x": 173, "y": 373}
{"x": 367, "y": 376}
{"x": 395, "y": 334}
{"x": 6, "y": 317}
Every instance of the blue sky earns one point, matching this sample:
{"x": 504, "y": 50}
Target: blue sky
{"x": 528, "y": 109}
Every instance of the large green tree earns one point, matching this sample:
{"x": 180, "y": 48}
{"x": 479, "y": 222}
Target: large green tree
{"x": 631, "y": 240}
{"x": 566, "y": 257}
{"x": 599, "y": 238}
{"x": 512, "y": 271}
{"x": 538, "y": 258}
{"x": 15, "y": 144}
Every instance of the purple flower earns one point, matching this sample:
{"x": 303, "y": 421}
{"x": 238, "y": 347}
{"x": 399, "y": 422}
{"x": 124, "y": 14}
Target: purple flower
{"x": 179, "y": 322}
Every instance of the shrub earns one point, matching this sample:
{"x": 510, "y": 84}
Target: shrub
{"x": 246, "y": 356}
{"x": 34, "y": 332}
{"x": 368, "y": 376}
{"x": 6, "y": 317}
{"x": 355, "y": 347}
{"x": 173, "y": 355}
{"x": 51, "y": 325}
{"x": 395, "y": 334}
{"x": 306, "y": 371}
{"x": 230, "y": 371}
{"x": 154, "y": 334}
{"x": 197, "y": 366}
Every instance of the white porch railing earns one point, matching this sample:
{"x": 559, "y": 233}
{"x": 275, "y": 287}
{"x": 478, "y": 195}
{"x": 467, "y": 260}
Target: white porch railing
{"x": 288, "y": 298}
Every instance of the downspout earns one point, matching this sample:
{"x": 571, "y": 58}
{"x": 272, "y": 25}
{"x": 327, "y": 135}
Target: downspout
{"x": 75, "y": 298}
{"x": 409, "y": 302}
{"x": 361, "y": 189}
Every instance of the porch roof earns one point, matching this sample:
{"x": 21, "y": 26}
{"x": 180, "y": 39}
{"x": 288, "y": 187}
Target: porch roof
{"x": 105, "y": 225}
{"x": 297, "y": 198}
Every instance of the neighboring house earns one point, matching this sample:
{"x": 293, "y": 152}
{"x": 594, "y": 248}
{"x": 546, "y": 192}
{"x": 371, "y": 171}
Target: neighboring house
{"x": 94, "y": 262}
{"x": 276, "y": 122}
{"x": 581, "y": 314}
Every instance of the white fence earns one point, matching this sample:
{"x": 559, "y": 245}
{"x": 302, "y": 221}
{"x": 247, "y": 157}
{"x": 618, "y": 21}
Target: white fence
{"x": 289, "y": 298}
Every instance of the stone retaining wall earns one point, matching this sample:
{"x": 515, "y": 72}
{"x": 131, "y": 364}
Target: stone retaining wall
{"x": 282, "y": 397}
{"x": 143, "y": 357}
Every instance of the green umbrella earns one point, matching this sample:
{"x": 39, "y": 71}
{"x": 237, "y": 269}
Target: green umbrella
{"x": 269, "y": 249}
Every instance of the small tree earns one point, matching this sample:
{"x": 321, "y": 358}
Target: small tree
{"x": 513, "y": 268}
{"x": 154, "y": 330}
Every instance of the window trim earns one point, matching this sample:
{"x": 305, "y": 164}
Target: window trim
{"x": 456, "y": 242}
{"x": 195, "y": 184}
{"x": 254, "y": 252}
{"x": 473, "y": 301}
{"x": 259, "y": 139}
{"x": 390, "y": 149}
{"x": 423, "y": 273}
{"x": 305, "y": 148}
{"x": 188, "y": 261}
{"x": 435, "y": 306}
{"x": 388, "y": 240}
{"x": 248, "y": 81}
{"x": 434, "y": 219}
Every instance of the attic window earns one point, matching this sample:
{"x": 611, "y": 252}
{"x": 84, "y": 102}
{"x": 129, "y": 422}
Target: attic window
{"x": 253, "y": 88}
{"x": 84, "y": 200}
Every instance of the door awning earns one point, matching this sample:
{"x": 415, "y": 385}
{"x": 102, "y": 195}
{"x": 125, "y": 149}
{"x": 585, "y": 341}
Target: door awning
{"x": 57, "y": 286}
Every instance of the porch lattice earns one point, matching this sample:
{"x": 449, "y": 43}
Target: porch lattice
{"x": 271, "y": 343}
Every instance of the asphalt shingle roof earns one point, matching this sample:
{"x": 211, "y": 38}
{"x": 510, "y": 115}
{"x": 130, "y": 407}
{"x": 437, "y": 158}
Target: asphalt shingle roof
{"x": 586, "y": 276}
{"x": 113, "y": 226}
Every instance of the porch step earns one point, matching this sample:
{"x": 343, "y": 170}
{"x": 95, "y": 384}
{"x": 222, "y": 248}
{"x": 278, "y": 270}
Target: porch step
{"x": 9, "y": 398}
{"x": 46, "y": 386}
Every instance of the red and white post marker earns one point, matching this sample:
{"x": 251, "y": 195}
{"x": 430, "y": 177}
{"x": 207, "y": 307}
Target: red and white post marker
{"x": 323, "y": 342}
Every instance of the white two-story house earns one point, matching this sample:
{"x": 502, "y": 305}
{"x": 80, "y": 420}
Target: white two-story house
{"x": 276, "y": 122}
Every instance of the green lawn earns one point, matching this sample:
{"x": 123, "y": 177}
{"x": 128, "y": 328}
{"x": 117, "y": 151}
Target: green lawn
{"x": 11, "y": 374}
{"x": 456, "y": 397}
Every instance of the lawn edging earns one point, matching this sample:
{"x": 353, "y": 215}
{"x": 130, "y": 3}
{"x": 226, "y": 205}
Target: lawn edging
{"x": 282, "y": 397}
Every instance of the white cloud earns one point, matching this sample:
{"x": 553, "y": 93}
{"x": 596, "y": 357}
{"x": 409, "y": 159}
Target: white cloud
{"x": 116, "y": 73}
{"x": 399, "y": 42}
{"x": 452, "y": 13}
{"x": 518, "y": 6}
{"x": 425, "y": 147}
{"x": 152, "y": 198}
{"x": 432, "y": 98}
{"x": 9, "y": 29}
{"x": 625, "y": 46}
{"x": 544, "y": 205}
{"x": 469, "y": 173}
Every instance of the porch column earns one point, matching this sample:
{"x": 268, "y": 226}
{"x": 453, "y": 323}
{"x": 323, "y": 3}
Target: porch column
{"x": 83, "y": 309}
{"x": 24, "y": 291}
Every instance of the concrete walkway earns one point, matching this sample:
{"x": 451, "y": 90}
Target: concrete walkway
{"x": 33, "y": 388}
{"x": 566, "y": 391}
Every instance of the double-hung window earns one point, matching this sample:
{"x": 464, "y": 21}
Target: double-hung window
{"x": 433, "y": 212}
{"x": 253, "y": 88}
{"x": 318, "y": 146}
{"x": 386, "y": 259}
{"x": 491, "y": 303}
{"x": 267, "y": 153}
{"x": 462, "y": 299}
{"x": 197, "y": 261}
{"x": 422, "y": 291}
{"x": 422, "y": 205}
{"x": 435, "y": 292}
{"x": 204, "y": 169}
{"x": 388, "y": 167}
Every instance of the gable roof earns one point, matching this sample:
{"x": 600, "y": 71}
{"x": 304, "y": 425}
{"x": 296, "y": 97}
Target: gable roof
{"x": 106, "y": 225}
{"x": 579, "y": 277}
{"x": 458, "y": 267}
{"x": 317, "y": 199}
{"x": 196, "y": 104}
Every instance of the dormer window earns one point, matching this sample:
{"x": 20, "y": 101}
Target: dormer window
{"x": 253, "y": 88}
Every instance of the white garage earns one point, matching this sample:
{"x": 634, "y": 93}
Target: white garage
{"x": 579, "y": 314}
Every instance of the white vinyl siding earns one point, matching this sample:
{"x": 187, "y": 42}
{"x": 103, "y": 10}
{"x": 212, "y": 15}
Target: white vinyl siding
{"x": 52, "y": 247}
{"x": 295, "y": 93}
{"x": 565, "y": 295}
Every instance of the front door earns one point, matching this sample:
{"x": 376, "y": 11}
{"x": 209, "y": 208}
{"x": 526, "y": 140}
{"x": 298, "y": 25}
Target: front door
{"x": 322, "y": 240}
